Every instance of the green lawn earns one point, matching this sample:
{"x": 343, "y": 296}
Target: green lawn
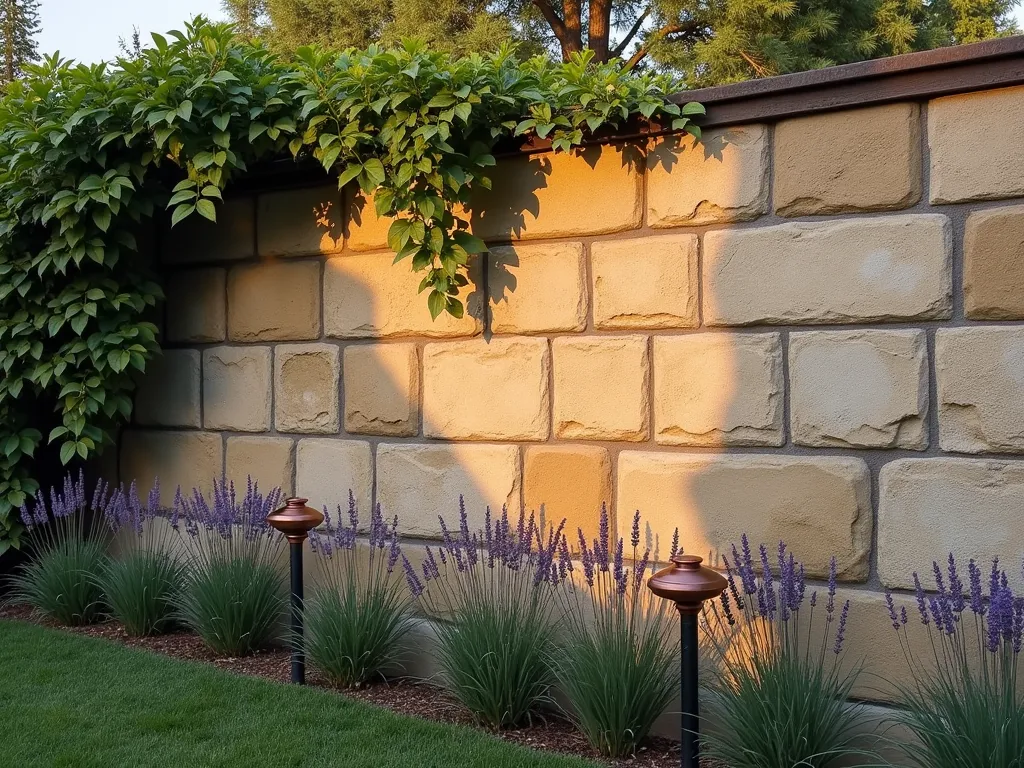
{"x": 67, "y": 700}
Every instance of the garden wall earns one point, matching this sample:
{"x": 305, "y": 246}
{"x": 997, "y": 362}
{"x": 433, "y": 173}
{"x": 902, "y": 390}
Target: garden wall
{"x": 808, "y": 326}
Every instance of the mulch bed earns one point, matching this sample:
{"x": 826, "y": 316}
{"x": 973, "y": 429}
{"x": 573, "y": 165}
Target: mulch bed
{"x": 403, "y": 696}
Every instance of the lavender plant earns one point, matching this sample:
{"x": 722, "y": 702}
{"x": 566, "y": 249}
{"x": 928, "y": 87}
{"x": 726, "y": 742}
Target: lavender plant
{"x": 140, "y": 583}
{"x": 618, "y": 664}
{"x": 779, "y": 694}
{"x": 68, "y": 551}
{"x": 495, "y": 588}
{"x": 357, "y": 617}
{"x": 965, "y": 705}
{"x": 233, "y": 595}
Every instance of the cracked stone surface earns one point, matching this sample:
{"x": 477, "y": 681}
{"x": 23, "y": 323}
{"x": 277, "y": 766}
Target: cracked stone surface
{"x": 859, "y": 389}
{"x": 306, "y": 381}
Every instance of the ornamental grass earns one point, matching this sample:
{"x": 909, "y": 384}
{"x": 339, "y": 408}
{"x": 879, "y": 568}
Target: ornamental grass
{"x": 495, "y": 592}
{"x": 234, "y": 591}
{"x": 965, "y": 705}
{"x": 68, "y": 553}
{"x": 618, "y": 663}
{"x": 358, "y": 615}
{"x": 779, "y": 695}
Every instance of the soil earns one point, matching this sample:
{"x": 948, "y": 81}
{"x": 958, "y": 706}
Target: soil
{"x": 403, "y": 696}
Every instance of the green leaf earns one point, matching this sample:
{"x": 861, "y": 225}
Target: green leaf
{"x": 374, "y": 170}
{"x": 181, "y": 212}
{"x": 185, "y": 110}
{"x": 436, "y": 303}
{"x": 206, "y": 209}
{"x": 399, "y": 233}
{"x": 469, "y": 243}
{"x": 67, "y": 452}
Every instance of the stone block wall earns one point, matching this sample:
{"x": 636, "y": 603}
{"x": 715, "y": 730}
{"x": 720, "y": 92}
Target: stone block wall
{"x": 810, "y": 330}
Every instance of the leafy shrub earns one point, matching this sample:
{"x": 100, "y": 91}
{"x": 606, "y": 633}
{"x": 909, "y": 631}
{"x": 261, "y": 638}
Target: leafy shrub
{"x": 779, "y": 696}
{"x": 90, "y": 153}
{"x": 619, "y": 663}
{"x": 494, "y": 590}
{"x": 233, "y": 595}
{"x": 965, "y": 705}
{"x": 140, "y": 583}
{"x": 358, "y": 615}
{"x": 68, "y": 553}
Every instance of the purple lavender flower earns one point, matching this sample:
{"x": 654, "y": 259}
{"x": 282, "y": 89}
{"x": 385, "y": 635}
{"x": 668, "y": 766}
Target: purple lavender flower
{"x": 922, "y": 606}
{"x": 415, "y": 585}
{"x": 675, "y": 544}
{"x": 892, "y": 610}
{"x": 956, "y": 588}
{"x": 974, "y": 577}
{"x": 841, "y": 630}
{"x": 634, "y": 537}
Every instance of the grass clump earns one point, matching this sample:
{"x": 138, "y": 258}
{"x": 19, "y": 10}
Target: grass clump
{"x": 233, "y": 594}
{"x": 357, "y": 617}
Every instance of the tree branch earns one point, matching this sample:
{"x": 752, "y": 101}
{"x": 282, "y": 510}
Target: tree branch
{"x": 689, "y": 28}
{"x": 759, "y": 69}
{"x": 632, "y": 33}
{"x": 554, "y": 21}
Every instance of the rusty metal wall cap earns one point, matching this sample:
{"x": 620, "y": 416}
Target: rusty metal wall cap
{"x": 687, "y": 583}
{"x": 295, "y": 519}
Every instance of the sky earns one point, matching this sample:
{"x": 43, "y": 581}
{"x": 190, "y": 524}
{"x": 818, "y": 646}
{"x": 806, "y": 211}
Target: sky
{"x": 89, "y": 31}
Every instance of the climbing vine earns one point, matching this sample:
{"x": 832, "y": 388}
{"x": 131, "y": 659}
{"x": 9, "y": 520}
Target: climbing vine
{"x": 90, "y": 154}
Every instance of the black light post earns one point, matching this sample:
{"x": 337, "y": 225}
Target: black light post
{"x": 295, "y": 520}
{"x": 688, "y": 584}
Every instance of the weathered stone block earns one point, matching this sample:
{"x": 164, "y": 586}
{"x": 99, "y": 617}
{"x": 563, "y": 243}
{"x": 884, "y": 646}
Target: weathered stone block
{"x": 368, "y": 296}
{"x": 715, "y": 389}
{"x": 980, "y": 372}
{"x": 722, "y": 177}
{"x": 892, "y": 268}
{"x": 326, "y": 469}
{"x": 649, "y": 282}
{"x": 819, "y": 506}
{"x": 236, "y": 388}
{"x": 306, "y": 387}
{"x": 183, "y": 460}
{"x": 168, "y": 395}
{"x": 973, "y": 155}
{"x": 854, "y": 160}
{"x": 928, "y": 508}
{"x": 197, "y": 240}
{"x": 478, "y": 390}
{"x": 537, "y": 196}
{"x": 994, "y": 264}
{"x": 196, "y": 305}
{"x": 420, "y": 482}
{"x": 274, "y": 301}
{"x": 300, "y": 222}
{"x": 382, "y": 389}
{"x": 537, "y": 288}
{"x": 570, "y": 482}
{"x": 601, "y": 390}
{"x": 269, "y": 461}
{"x": 859, "y": 389}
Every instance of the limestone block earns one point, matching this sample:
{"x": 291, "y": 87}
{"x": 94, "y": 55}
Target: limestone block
{"x": 183, "y": 460}
{"x": 236, "y": 388}
{"x": 601, "y": 388}
{"x": 859, "y": 389}
{"x": 368, "y": 296}
{"x": 300, "y": 222}
{"x": 196, "y": 305}
{"x": 478, "y": 390}
{"x": 327, "y": 469}
{"x": 306, "y": 388}
{"x": 853, "y": 160}
{"x": 168, "y": 395}
{"x": 722, "y": 177}
{"x": 994, "y": 264}
{"x": 197, "y": 240}
{"x": 537, "y": 288}
{"x": 274, "y": 301}
{"x": 865, "y": 269}
{"x": 928, "y": 508}
{"x": 716, "y": 389}
{"x": 570, "y": 482}
{"x": 649, "y": 282}
{"x": 819, "y": 506}
{"x": 420, "y": 482}
{"x": 382, "y": 389}
{"x": 980, "y": 373}
{"x": 973, "y": 155}
{"x": 269, "y": 461}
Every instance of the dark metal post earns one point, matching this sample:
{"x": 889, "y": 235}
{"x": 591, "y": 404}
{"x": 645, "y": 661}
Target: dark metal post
{"x": 688, "y": 584}
{"x": 295, "y": 520}
{"x": 298, "y": 656}
{"x": 690, "y": 729}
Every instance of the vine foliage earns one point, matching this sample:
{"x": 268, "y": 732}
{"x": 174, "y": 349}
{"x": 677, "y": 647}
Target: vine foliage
{"x": 89, "y": 155}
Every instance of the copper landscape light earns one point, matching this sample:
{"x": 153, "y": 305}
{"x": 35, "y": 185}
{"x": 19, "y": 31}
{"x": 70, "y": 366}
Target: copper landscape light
{"x": 688, "y": 584}
{"x": 295, "y": 520}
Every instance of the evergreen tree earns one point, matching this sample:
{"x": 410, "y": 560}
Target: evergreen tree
{"x": 19, "y": 24}
{"x": 249, "y": 16}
